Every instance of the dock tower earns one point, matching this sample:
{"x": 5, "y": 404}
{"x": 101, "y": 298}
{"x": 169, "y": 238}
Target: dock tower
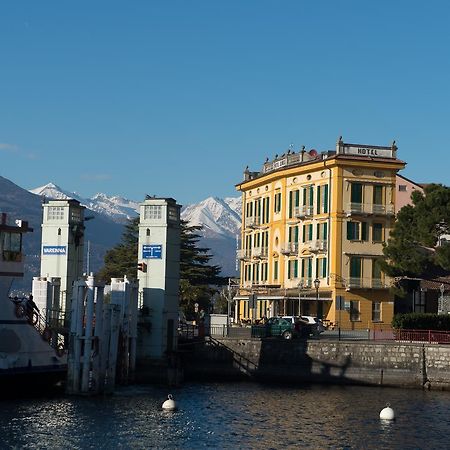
{"x": 63, "y": 245}
{"x": 158, "y": 275}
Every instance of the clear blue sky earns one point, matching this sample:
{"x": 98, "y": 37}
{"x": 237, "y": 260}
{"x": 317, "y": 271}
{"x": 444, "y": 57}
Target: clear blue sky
{"x": 175, "y": 98}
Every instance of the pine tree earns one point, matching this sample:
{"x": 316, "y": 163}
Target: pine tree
{"x": 198, "y": 278}
{"x": 412, "y": 248}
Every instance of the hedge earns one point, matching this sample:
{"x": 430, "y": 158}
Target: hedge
{"x": 422, "y": 321}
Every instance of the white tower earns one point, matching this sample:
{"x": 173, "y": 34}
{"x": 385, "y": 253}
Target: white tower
{"x": 159, "y": 275}
{"x": 63, "y": 245}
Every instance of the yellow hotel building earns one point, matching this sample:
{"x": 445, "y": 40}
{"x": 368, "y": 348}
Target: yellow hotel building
{"x": 313, "y": 227}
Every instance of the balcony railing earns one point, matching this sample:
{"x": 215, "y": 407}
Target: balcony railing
{"x": 289, "y": 248}
{"x": 260, "y": 252}
{"x": 366, "y": 283}
{"x": 318, "y": 245}
{"x": 243, "y": 253}
{"x": 369, "y": 208}
{"x": 252, "y": 222}
{"x": 303, "y": 211}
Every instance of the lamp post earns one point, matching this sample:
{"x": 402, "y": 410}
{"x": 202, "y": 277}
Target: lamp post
{"x": 318, "y": 305}
{"x": 300, "y": 287}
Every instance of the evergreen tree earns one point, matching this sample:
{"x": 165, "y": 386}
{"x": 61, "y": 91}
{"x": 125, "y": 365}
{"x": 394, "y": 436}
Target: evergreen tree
{"x": 412, "y": 248}
{"x": 198, "y": 278}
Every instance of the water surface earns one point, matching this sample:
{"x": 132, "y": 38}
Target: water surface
{"x": 241, "y": 415}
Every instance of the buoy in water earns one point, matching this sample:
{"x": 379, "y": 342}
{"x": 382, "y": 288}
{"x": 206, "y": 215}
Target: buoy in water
{"x": 387, "y": 413}
{"x": 169, "y": 404}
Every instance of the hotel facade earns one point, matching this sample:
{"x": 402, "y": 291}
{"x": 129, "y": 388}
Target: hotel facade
{"x": 313, "y": 228}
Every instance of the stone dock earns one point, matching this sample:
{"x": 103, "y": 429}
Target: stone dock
{"x": 395, "y": 364}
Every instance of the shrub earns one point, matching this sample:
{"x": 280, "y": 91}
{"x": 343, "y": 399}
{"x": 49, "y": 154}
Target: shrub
{"x": 422, "y": 321}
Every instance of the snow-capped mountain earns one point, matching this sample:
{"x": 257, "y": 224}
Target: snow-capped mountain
{"x": 220, "y": 218}
{"x": 118, "y": 209}
{"x": 216, "y": 215}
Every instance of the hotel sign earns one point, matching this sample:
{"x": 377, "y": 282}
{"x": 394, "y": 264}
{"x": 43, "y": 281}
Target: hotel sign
{"x": 363, "y": 150}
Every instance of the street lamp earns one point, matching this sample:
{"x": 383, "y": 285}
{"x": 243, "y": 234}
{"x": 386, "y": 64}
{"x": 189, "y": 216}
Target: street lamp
{"x": 300, "y": 287}
{"x": 318, "y": 306}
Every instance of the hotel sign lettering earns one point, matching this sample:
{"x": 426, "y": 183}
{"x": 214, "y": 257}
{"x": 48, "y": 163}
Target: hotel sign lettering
{"x": 377, "y": 152}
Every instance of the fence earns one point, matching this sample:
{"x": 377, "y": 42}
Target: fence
{"x": 190, "y": 332}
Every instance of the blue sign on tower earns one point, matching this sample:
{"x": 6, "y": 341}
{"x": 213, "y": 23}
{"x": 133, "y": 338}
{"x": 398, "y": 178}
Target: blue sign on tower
{"x": 152, "y": 251}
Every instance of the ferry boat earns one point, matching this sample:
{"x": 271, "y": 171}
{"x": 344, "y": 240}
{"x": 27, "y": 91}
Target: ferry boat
{"x": 31, "y": 354}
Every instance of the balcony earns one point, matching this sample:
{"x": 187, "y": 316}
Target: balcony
{"x": 289, "y": 248}
{"x": 243, "y": 254}
{"x": 260, "y": 252}
{"x": 366, "y": 283}
{"x": 365, "y": 209}
{"x": 305, "y": 283}
{"x": 252, "y": 222}
{"x": 317, "y": 246}
{"x": 301, "y": 212}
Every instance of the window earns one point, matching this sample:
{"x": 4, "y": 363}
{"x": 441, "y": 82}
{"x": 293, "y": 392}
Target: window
{"x": 173, "y": 213}
{"x": 307, "y": 268}
{"x": 277, "y": 206}
{"x": 357, "y": 231}
{"x": 378, "y": 195}
{"x": 322, "y": 231}
{"x": 356, "y": 195}
{"x": 293, "y": 234}
{"x": 275, "y": 270}
{"x": 307, "y": 232}
{"x": 355, "y": 269}
{"x": 55, "y": 213}
{"x": 321, "y": 267}
{"x": 376, "y": 275}
{"x": 377, "y": 232}
{"x": 322, "y": 199}
{"x": 152, "y": 212}
{"x": 376, "y": 311}
{"x": 354, "y": 311}
{"x": 292, "y": 269}
{"x": 402, "y": 187}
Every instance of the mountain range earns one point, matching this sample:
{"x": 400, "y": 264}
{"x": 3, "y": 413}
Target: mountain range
{"x": 220, "y": 219}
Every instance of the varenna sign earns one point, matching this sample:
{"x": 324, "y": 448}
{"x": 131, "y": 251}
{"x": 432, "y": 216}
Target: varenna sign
{"x": 54, "y": 250}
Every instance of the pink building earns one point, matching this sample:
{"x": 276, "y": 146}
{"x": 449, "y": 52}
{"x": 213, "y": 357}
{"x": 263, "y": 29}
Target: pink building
{"x": 404, "y": 188}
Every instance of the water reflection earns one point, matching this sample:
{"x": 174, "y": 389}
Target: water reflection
{"x": 243, "y": 415}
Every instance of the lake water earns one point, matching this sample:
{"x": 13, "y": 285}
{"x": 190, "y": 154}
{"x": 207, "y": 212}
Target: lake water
{"x": 230, "y": 416}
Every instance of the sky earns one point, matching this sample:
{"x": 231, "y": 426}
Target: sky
{"x": 175, "y": 98}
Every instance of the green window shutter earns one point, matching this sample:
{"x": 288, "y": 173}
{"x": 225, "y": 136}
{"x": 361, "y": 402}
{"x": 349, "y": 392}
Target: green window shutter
{"x": 290, "y": 234}
{"x": 310, "y": 231}
{"x": 318, "y": 200}
{"x": 324, "y": 267}
{"x": 325, "y": 231}
{"x": 304, "y": 234}
{"x": 355, "y": 267}
{"x": 275, "y": 270}
{"x": 297, "y": 198}
{"x": 325, "y": 199}
{"x": 378, "y": 195}
{"x": 304, "y": 196}
{"x": 318, "y": 231}
{"x": 291, "y": 204}
{"x": 356, "y": 193}
{"x": 317, "y": 268}
{"x": 296, "y": 234}
{"x": 303, "y": 268}
{"x": 364, "y": 231}
{"x": 296, "y": 268}
{"x": 377, "y": 232}
{"x": 267, "y": 209}
{"x": 309, "y": 267}
{"x": 311, "y": 195}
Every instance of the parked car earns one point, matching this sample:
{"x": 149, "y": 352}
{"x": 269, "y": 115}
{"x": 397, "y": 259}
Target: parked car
{"x": 276, "y": 326}
{"x": 316, "y": 322}
{"x": 303, "y": 327}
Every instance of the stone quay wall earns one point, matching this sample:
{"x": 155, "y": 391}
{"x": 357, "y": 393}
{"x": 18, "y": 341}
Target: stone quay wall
{"x": 323, "y": 361}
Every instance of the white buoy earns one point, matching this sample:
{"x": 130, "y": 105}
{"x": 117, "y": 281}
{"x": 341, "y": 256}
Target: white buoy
{"x": 387, "y": 413}
{"x": 169, "y": 404}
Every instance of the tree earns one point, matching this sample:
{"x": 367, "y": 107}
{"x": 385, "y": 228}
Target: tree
{"x": 122, "y": 259}
{"x": 198, "y": 278}
{"x": 412, "y": 248}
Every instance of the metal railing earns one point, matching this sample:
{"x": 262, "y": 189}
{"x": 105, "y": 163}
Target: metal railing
{"x": 244, "y": 253}
{"x": 366, "y": 283}
{"x": 369, "y": 208}
{"x": 289, "y": 248}
{"x": 304, "y": 211}
{"x": 260, "y": 252}
{"x": 429, "y": 336}
{"x": 252, "y": 222}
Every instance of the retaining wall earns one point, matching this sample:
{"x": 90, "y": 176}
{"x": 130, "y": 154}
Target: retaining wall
{"x": 277, "y": 360}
